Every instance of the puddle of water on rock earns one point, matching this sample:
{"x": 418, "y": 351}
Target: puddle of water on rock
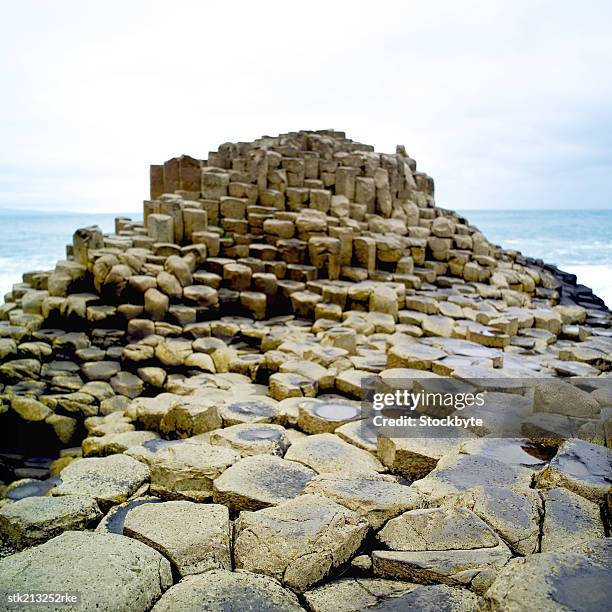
{"x": 158, "y": 444}
{"x": 336, "y": 412}
{"x": 33, "y": 489}
{"x": 260, "y": 434}
{"x": 117, "y": 520}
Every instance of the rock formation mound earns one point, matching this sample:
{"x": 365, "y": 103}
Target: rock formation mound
{"x": 217, "y": 352}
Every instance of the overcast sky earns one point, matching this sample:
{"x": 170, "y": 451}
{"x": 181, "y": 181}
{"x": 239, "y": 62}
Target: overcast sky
{"x": 505, "y": 104}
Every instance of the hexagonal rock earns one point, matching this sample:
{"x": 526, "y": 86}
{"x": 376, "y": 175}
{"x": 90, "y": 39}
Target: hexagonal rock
{"x": 360, "y": 434}
{"x": 298, "y": 542}
{"x": 226, "y": 591}
{"x": 474, "y": 568}
{"x": 456, "y": 473}
{"x": 550, "y": 582}
{"x": 111, "y": 573}
{"x": 260, "y": 481}
{"x": 125, "y": 383}
{"x": 33, "y": 520}
{"x": 357, "y": 594}
{"x": 328, "y": 453}
{"x": 256, "y": 409}
{"x": 189, "y": 417}
{"x": 252, "y": 439}
{"x": 416, "y": 356}
{"x": 115, "y": 518}
{"x": 115, "y": 443}
{"x": 195, "y": 538}
{"x": 414, "y": 458}
{"x": 185, "y": 469}
{"x": 284, "y": 385}
{"x": 351, "y": 382}
{"x": 314, "y": 418}
{"x": 109, "y": 480}
{"x": 437, "y": 529}
{"x": 376, "y": 497}
{"x": 514, "y": 516}
{"x": 569, "y": 521}
{"x": 149, "y": 411}
{"x": 581, "y": 467}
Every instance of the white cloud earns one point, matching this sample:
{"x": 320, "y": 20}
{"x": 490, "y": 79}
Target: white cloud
{"x": 504, "y": 104}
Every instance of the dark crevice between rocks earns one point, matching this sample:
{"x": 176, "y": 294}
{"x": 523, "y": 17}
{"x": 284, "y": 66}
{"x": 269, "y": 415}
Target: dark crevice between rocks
{"x": 606, "y": 514}
{"x": 541, "y": 524}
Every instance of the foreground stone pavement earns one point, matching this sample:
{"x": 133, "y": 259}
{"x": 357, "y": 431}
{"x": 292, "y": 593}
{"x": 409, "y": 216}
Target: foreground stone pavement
{"x": 196, "y": 379}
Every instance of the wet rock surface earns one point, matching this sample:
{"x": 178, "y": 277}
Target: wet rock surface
{"x": 551, "y": 581}
{"x": 190, "y": 387}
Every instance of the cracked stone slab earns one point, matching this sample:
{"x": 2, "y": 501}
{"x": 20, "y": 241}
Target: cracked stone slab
{"x": 458, "y": 472}
{"x": 475, "y": 569}
{"x": 109, "y": 480}
{"x": 551, "y": 582}
{"x": 184, "y": 469}
{"x": 226, "y": 591}
{"x": 194, "y": 537}
{"x": 111, "y": 573}
{"x": 328, "y": 453}
{"x": 514, "y": 516}
{"x": 581, "y": 467}
{"x": 298, "y": 542}
{"x": 437, "y": 529}
{"x": 260, "y": 481}
{"x": 34, "y": 520}
{"x": 569, "y": 520}
{"x": 252, "y": 439}
{"x": 376, "y": 497}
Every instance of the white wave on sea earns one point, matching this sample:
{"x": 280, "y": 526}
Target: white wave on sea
{"x": 596, "y": 277}
{"x": 12, "y": 269}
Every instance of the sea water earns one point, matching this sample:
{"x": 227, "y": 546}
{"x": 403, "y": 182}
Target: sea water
{"x": 577, "y": 241}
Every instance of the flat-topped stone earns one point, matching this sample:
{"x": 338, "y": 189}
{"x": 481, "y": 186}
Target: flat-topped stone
{"x": 260, "y": 481}
{"x": 34, "y": 520}
{"x": 129, "y": 576}
{"x": 328, "y": 453}
{"x": 550, "y": 582}
{"x": 581, "y": 467}
{"x": 298, "y": 542}
{"x": 376, "y": 497}
{"x": 252, "y": 438}
{"x": 108, "y": 480}
{"x": 195, "y": 538}
{"x": 437, "y": 529}
{"x": 184, "y": 469}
